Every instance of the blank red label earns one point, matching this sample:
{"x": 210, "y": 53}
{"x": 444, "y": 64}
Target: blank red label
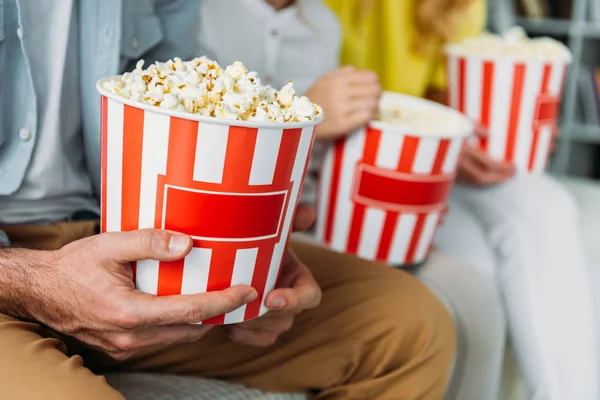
{"x": 547, "y": 109}
{"x": 223, "y": 216}
{"x": 389, "y": 189}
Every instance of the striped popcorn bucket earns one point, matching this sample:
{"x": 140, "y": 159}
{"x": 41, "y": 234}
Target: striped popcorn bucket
{"x": 233, "y": 186}
{"x": 383, "y": 190}
{"x": 515, "y": 105}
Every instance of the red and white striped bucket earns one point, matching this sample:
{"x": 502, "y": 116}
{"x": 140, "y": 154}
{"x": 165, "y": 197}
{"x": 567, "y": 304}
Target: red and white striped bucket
{"x": 231, "y": 185}
{"x": 383, "y": 190}
{"x": 515, "y": 104}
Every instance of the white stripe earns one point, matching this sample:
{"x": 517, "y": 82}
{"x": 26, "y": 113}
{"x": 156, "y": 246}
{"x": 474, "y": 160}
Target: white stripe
{"x": 449, "y": 166}
{"x": 390, "y": 148}
{"x": 557, "y": 77}
{"x": 501, "y": 102}
{"x": 453, "y": 78}
{"x": 114, "y": 165}
{"x": 371, "y": 233}
{"x": 401, "y": 239}
{"x": 474, "y": 78}
{"x": 541, "y": 155}
{"x": 324, "y": 192}
{"x": 146, "y": 276}
{"x": 155, "y": 147}
{"x": 427, "y": 235}
{"x": 353, "y": 151}
{"x": 426, "y": 153}
{"x": 302, "y": 157}
{"x": 534, "y": 74}
{"x": 245, "y": 262}
{"x": 196, "y": 267}
{"x": 266, "y": 152}
{"x": 210, "y": 152}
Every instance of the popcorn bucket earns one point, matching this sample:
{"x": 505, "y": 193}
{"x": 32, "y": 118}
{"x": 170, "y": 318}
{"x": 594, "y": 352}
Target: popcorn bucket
{"x": 233, "y": 186}
{"x": 515, "y": 104}
{"x": 384, "y": 189}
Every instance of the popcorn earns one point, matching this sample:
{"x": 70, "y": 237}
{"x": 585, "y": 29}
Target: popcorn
{"x": 513, "y": 43}
{"x": 201, "y": 86}
{"x": 422, "y": 120}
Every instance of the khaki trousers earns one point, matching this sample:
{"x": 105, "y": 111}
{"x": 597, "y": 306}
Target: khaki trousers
{"x": 378, "y": 334}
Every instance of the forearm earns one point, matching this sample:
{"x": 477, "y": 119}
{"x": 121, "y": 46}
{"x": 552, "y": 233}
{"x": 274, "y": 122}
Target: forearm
{"x": 20, "y": 269}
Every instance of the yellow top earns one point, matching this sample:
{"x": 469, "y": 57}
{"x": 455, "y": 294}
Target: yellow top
{"x": 383, "y": 41}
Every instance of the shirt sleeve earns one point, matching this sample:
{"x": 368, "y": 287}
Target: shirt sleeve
{"x": 472, "y": 24}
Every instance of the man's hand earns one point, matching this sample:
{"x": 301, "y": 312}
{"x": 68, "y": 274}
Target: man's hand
{"x": 85, "y": 290}
{"x": 296, "y": 291}
{"x": 349, "y": 98}
{"x": 475, "y": 167}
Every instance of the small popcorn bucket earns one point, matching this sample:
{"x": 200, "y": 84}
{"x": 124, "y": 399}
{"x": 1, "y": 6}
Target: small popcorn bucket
{"x": 233, "y": 186}
{"x": 515, "y": 104}
{"x": 384, "y": 189}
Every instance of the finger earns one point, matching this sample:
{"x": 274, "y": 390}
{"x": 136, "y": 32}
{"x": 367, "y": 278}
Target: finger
{"x": 250, "y": 337}
{"x": 144, "y": 244}
{"x": 131, "y": 341}
{"x": 358, "y": 119}
{"x": 365, "y": 91}
{"x": 362, "y": 77}
{"x": 149, "y": 310}
{"x": 273, "y": 321}
{"x": 489, "y": 164}
{"x": 360, "y": 104}
{"x": 303, "y": 294}
{"x": 474, "y": 174}
{"x": 305, "y": 216}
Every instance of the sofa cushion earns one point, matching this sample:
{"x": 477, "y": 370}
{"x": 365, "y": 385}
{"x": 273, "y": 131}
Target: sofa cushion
{"x": 144, "y": 386}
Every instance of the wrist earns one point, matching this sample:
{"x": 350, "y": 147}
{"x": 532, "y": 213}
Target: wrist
{"x": 21, "y": 272}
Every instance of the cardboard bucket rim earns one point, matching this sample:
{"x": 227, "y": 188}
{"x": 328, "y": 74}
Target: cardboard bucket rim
{"x": 197, "y": 117}
{"x": 400, "y": 99}
{"x": 454, "y": 50}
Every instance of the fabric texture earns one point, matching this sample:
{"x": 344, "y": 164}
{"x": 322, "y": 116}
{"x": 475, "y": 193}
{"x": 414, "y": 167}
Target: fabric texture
{"x": 378, "y": 334}
{"x": 525, "y": 234}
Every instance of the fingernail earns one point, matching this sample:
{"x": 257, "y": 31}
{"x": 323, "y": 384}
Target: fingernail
{"x": 276, "y": 303}
{"x": 178, "y": 243}
{"x": 251, "y": 296}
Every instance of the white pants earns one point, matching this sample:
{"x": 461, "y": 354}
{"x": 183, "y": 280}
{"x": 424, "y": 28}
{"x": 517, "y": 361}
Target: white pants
{"x": 524, "y": 234}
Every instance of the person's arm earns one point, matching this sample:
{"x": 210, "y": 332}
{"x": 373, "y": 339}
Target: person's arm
{"x": 86, "y": 290}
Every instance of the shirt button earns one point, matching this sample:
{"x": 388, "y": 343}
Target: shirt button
{"x": 24, "y": 134}
{"x": 274, "y": 32}
{"x": 135, "y": 42}
{"x": 20, "y": 33}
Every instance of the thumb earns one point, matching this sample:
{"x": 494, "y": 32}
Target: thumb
{"x": 144, "y": 244}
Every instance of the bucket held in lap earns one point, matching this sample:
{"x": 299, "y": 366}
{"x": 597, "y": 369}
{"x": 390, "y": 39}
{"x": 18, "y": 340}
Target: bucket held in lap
{"x": 230, "y": 183}
{"x": 383, "y": 190}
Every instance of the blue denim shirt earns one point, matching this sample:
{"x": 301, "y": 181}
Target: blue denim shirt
{"x": 113, "y": 35}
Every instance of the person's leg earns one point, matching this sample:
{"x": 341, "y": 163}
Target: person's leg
{"x": 34, "y": 361}
{"x": 532, "y": 223}
{"x": 474, "y": 302}
{"x": 378, "y": 334}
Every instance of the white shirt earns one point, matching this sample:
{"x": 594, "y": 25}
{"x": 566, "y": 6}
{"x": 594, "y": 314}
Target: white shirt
{"x": 299, "y": 43}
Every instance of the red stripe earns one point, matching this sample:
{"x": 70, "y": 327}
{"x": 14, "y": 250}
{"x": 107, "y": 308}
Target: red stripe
{"x": 486, "y": 101}
{"x": 259, "y": 279}
{"x": 462, "y": 84}
{"x": 183, "y": 135}
{"x": 338, "y": 157}
{"x": 221, "y": 271}
{"x": 103, "y": 162}
{"x": 536, "y": 131}
{"x": 440, "y": 156}
{"x": 133, "y": 129}
{"x": 288, "y": 152}
{"x": 405, "y": 164}
{"x": 372, "y": 138}
{"x": 416, "y": 238}
{"x": 515, "y": 110}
